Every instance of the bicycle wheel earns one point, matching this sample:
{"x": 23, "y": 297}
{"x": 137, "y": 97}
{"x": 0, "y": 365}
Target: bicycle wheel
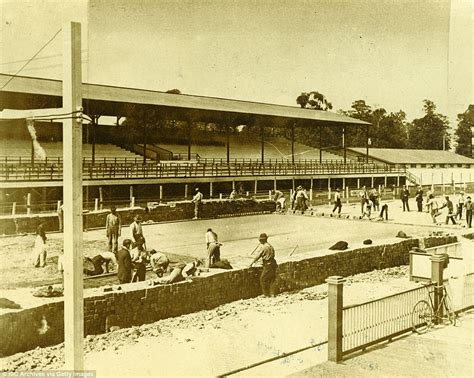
{"x": 421, "y": 317}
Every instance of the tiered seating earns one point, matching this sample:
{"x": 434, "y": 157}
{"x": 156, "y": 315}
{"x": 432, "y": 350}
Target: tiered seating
{"x": 22, "y": 148}
{"x": 275, "y": 148}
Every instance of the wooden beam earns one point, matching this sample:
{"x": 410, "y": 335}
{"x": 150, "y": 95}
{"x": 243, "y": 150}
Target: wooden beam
{"x": 32, "y": 113}
{"x": 72, "y": 181}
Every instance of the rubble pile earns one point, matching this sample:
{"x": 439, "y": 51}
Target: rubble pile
{"x": 52, "y": 357}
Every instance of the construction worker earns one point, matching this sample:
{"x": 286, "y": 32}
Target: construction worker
{"x": 113, "y": 228}
{"x": 266, "y": 252}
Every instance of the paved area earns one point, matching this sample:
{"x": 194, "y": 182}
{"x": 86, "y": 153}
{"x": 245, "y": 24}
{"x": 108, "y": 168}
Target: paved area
{"x": 443, "y": 352}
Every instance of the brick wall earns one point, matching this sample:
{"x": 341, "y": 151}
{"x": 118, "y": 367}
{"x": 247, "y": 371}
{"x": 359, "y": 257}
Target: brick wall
{"x": 19, "y": 330}
{"x": 163, "y": 212}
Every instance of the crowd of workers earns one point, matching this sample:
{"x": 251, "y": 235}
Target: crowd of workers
{"x": 134, "y": 258}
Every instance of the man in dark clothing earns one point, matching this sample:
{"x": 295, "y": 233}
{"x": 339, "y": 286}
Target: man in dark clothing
{"x": 404, "y": 196}
{"x": 124, "y": 261}
{"x": 337, "y": 201}
{"x": 95, "y": 266}
{"x": 268, "y": 276}
{"x": 419, "y": 199}
{"x": 450, "y": 206}
{"x": 468, "y": 207}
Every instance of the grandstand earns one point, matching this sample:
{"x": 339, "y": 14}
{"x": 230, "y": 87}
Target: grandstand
{"x": 275, "y": 148}
{"x": 14, "y": 149}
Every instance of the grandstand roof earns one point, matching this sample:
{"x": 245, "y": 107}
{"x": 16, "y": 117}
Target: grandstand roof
{"x": 408, "y": 156}
{"x": 27, "y": 92}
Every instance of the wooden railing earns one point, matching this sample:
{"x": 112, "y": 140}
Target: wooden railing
{"x": 135, "y": 170}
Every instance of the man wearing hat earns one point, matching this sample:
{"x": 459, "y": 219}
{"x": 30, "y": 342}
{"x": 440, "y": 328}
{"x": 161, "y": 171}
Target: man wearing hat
{"x": 113, "y": 226}
{"x": 197, "y": 200}
{"x": 266, "y": 252}
{"x": 450, "y": 206}
{"x": 337, "y": 201}
{"x": 137, "y": 231}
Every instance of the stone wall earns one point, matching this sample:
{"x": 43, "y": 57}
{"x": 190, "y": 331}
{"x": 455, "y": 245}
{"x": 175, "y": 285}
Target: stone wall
{"x": 21, "y": 330}
{"x": 161, "y": 213}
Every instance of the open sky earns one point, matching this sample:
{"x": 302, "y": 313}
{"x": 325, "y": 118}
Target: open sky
{"x": 391, "y": 53}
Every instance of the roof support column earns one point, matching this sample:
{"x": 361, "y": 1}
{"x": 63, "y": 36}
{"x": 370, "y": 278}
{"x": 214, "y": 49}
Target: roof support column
{"x": 320, "y": 145}
{"x": 190, "y": 124}
{"x": 144, "y": 142}
{"x": 227, "y": 132}
{"x": 367, "y": 144}
{"x": 263, "y": 141}
{"x": 293, "y": 143}
{"x": 344, "y": 143}
{"x": 95, "y": 122}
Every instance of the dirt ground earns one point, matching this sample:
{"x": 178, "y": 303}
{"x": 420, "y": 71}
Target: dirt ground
{"x": 184, "y": 240}
{"x": 236, "y": 334}
{"x": 213, "y": 342}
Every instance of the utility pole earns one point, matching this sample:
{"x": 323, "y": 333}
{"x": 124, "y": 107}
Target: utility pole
{"x": 72, "y": 194}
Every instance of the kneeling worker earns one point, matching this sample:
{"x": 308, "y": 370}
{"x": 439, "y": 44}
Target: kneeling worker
{"x": 98, "y": 262}
{"x": 159, "y": 262}
{"x": 213, "y": 248}
{"x": 266, "y": 252}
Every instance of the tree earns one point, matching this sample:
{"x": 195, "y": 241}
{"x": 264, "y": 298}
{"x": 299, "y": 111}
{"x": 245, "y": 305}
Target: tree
{"x": 431, "y": 132}
{"x": 387, "y": 130}
{"x": 463, "y": 132}
{"x": 313, "y": 100}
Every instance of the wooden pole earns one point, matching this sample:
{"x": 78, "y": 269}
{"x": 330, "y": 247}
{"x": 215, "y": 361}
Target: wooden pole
{"x": 293, "y": 143}
{"x": 227, "y": 132}
{"x": 72, "y": 181}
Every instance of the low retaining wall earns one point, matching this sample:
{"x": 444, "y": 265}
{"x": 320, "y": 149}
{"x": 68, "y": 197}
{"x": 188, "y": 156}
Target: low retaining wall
{"x": 44, "y": 325}
{"x": 162, "y": 213}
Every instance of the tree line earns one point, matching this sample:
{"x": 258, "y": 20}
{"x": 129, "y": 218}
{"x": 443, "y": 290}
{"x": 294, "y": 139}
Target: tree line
{"x": 392, "y": 129}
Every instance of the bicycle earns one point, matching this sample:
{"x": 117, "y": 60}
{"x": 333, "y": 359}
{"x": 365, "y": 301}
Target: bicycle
{"x": 424, "y": 314}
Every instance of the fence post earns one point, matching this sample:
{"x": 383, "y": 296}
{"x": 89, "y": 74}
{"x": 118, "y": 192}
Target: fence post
{"x": 96, "y": 204}
{"x": 14, "y": 208}
{"x": 185, "y": 191}
{"x": 437, "y": 267}
{"x": 101, "y": 197}
{"x": 28, "y": 204}
{"x": 347, "y": 195}
{"x": 132, "y": 202}
{"x": 335, "y": 297}
{"x": 270, "y": 195}
{"x": 161, "y": 192}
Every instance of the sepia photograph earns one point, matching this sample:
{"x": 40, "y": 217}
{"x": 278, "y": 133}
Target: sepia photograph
{"x": 254, "y": 188}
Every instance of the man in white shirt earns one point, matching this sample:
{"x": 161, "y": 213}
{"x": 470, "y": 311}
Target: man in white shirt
{"x": 213, "y": 248}
{"x": 197, "y": 200}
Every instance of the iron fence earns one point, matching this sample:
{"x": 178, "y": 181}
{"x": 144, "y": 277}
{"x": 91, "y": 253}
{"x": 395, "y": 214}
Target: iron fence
{"x": 368, "y": 323}
{"x": 468, "y": 292}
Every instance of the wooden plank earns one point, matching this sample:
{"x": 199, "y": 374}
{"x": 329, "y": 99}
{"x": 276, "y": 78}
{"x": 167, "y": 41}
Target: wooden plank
{"x": 72, "y": 194}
